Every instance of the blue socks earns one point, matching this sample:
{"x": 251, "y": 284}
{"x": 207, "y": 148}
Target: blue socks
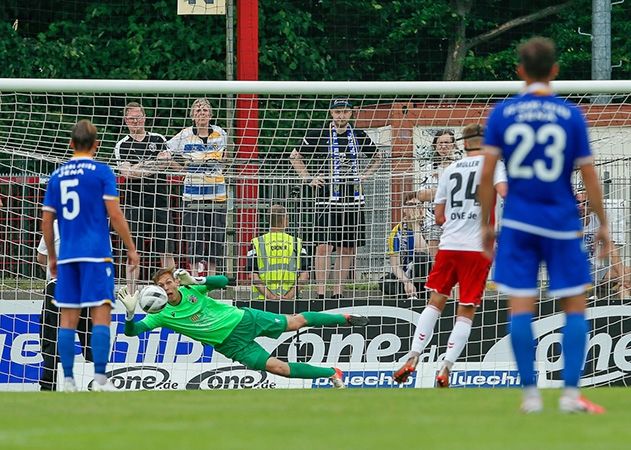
{"x": 574, "y": 341}
{"x": 523, "y": 344}
{"x": 65, "y": 347}
{"x": 100, "y": 344}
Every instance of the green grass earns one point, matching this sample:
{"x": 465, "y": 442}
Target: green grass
{"x": 308, "y": 419}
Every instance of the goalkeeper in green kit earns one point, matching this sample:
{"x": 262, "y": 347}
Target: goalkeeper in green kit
{"x": 230, "y": 330}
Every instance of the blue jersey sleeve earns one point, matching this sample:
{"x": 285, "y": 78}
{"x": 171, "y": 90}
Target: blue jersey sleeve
{"x": 109, "y": 183}
{"x": 582, "y": 148}
{"x": 51, "y": 197}
{"x": 493, "y": 135}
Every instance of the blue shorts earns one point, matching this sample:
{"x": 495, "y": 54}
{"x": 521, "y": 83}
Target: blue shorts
{"x": 519, "y": 255}
{"x": 81, "y": 284}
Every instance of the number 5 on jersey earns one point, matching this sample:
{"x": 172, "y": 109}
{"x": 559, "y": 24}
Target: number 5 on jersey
{"x": 69, "y": 199}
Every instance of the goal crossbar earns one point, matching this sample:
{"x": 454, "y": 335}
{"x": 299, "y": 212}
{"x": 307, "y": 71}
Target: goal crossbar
{"x": 303, "y": 87}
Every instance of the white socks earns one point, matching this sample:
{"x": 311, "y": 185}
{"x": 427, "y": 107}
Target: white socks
{"x": 458, "y": 339}
{"x": 425, "y": 328}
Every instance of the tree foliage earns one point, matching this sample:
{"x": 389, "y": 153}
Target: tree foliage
{"x": 321, "y": 40}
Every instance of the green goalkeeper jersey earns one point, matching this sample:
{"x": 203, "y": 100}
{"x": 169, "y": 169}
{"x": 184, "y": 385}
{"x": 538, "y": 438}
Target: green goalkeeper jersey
{"x": 196, "y": 316}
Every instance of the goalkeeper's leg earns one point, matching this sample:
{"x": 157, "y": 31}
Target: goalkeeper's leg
{"x": 318, "y": 319}
{"x": 305, "y": 371}
{"x": 255, "y": 357}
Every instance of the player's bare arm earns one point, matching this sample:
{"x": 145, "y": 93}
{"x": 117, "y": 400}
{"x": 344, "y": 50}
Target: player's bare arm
{"x": 439, "y": 213}
{"x": 48, "y": 217}
{"x": 119, "y": 223}
{"x": 486, "y": 196}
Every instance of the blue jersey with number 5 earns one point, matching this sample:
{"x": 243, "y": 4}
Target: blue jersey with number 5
{"x": 76, "y": 192}
{"x": 542, "y": 138}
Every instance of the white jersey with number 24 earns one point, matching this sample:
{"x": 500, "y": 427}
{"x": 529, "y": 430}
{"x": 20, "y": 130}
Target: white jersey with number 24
{"x": 457, "y": 189}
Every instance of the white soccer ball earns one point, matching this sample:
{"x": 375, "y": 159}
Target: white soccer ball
{"x": 153, "y": 299}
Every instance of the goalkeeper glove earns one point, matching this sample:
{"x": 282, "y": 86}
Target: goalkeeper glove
{"x": 129, "y": 301}
{"x": 186, "y": 279}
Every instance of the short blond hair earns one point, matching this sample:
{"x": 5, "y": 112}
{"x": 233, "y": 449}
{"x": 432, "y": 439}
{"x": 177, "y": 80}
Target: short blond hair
{"x": 161, "y": 272}
{"x": 277, "y": 216}
{"x": 201, "y": 101}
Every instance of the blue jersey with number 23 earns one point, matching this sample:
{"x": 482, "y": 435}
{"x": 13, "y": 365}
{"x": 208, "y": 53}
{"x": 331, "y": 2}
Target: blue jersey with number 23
{"x": 541, "y": 138}
{"x": 76, "y": 192}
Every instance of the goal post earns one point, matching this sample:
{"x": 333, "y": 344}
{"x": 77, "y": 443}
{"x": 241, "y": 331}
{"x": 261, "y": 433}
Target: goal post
{"x": 400, "y": 118}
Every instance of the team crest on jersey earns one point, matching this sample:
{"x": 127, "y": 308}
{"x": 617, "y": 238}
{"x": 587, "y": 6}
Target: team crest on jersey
{"x": 192, "y": 299}
{"x": 153, "y": 147}
{"x": 194, "y": 317}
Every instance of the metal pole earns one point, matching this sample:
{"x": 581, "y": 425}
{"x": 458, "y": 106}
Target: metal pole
{"x": 601, "y": 44}
{"x": 230, "y": 108}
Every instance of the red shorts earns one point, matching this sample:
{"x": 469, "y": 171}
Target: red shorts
{"x": 469, "y": 269}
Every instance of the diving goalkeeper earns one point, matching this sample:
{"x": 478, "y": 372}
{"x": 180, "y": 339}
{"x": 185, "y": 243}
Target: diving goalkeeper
{"x": 230, "y": 330}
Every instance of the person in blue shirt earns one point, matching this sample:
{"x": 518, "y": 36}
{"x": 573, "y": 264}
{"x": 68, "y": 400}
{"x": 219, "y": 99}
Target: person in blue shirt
{"x": 82, "y": 194}
{"x": 542, "y": 138}
{"x": 408, "y": 252}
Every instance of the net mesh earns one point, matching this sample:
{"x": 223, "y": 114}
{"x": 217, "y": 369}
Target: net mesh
{"x": 256, "y": 166}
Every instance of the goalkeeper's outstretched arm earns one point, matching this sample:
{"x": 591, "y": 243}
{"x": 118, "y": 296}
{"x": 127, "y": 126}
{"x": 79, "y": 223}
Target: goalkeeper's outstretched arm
{"x": 211, "y": 282}
{"x": 129, "y": 301}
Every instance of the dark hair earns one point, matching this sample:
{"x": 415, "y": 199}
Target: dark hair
{"x": 436, "y": 159}
{"x": 537, "y": 56}
{"x": 83, "y": 135}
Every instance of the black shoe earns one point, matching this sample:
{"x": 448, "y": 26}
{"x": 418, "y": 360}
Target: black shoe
{"x": 355, "y": 320}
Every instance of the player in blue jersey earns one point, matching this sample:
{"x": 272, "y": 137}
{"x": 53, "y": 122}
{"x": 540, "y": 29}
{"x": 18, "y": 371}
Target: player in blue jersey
{"x": 81, "y": 194}
{"x": 542, "y": 138}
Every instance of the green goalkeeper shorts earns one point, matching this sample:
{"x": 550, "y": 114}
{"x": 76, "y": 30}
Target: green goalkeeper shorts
{"x": 240, "y": 345}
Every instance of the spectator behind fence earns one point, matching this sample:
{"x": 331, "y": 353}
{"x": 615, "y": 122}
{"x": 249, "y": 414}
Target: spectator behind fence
{"x": 50, "y": 322}
{"x": 611, "y": 277}
{"x": 328, "y": 159}
{"x": 277, "y": 261}
{"x": 201, "y": 148}
{"x": 142, "y": 158}
{"x": 443, "y": 153}
{"x": 409, "y": 257}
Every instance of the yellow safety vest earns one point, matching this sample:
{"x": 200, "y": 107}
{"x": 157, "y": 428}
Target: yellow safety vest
{"x": 278, "y": 259}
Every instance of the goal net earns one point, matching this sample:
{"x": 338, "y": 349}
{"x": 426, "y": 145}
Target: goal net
{"x": 198, "y": 195}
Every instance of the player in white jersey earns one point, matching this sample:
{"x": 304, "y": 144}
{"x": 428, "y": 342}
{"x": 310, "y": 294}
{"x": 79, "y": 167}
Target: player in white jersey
{"x": 459, "y": 259}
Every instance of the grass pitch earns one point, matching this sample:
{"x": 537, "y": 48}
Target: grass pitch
{"x": 308, "y": 419}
